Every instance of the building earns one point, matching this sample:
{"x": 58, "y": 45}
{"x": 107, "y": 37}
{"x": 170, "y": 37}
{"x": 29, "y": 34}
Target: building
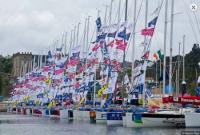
{"x": 26, "y": 62}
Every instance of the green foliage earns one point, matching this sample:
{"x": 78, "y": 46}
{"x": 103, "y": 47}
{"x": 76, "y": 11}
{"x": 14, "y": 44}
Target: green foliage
{"x": 191, "y": 66}
{"x": 5, "y": 72}
{"x": 5, "y": 64}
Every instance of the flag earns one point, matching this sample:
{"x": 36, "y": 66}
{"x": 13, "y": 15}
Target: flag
{"x": 122, "y": 34}
{"x": 98, "y": 23}
{"x": 153, "y": 22}
{"x": 75, "y": 55}
{"x": 73, "y": 62}
{"x": 112, "y": 34}
{"x": 158, "y": 55}
{"x": 101, "y": 37}
{"x": 49, "y": 54}
{"x": 128, "y": 36}
{"x": 121, "y": 46}
{"x": 146, "y": 55}
{"x": 119, "y": 42}
{"x": 148, "y": 32}
{"x": 59, "y": 71}
{"x": 59, "y": 49}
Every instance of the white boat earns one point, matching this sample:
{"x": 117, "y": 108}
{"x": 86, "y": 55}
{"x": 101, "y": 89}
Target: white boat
{"x": 114, "y": 119}
{"x": 64, "y": 114}
{"x": 101, "y": 117}
{"x": 84, "y": 115}
{"x": 76, "y": 114}
{"x": 158, "y": 119}
{"x": 192, "y": 119}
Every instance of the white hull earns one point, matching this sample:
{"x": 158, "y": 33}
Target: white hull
{"x": 64, "y": 114}
{"x": 148, "y": 122}
{"x": 85, "y": 115}
{"x": 76, "y": 114}
{"x": 114, "y": 122}
{"x": 192, "y": 119}
{"x": 114, "y": 119}
{"x": 101, "y": 117}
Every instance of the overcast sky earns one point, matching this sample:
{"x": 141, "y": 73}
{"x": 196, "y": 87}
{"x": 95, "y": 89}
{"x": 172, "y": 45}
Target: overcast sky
{"x": 33, "y": 25}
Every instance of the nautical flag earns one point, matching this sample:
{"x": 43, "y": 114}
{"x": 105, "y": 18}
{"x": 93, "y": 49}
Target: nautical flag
{"x": 73, "y": 62}
{"x": 119, "y": 42}
{"x": 122, "y": 46}
{"x": 98, "y": 23}
{"x": 148, "y": 32}
{"x": 158, "y": 55}
{"x": 75, "y": 55}
{"x": 153, "y": 22}
{"x": 59, "y": 49}
{"x": 112, "y": 34}
{"x": 101, "y": 37}
{"x": 122, "y": 34}
{"x": 49, "y": 54}
{"x": 146, "y": 55}
{"x": 128, "y": 36}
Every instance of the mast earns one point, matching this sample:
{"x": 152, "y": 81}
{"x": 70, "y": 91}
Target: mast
{"x": 94, "y": 96}
{"x": 178, "y": 74}
{"x": 77, "y": 34}
{"x": 65, "y": 44}
{"x": 105, "y": 17}
{"x": 110, "y": 14}
{"x": 74, "y": 38}
{"x": 84, "y": 39}
{"x": 119, "y": 11}
{"x": 171, "y": 43}
{"x": 124, "y": 55}
{"x": 133, "y": 46}
{"x": 165, "y": 44}
{"x": 183, "y": 58}
{"x": 144, "y": 87}
{"x": 71, "y": 42}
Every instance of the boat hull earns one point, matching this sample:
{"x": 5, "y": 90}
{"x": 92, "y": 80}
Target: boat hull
{"x": 101, "y": 117}
{"x": 152, "y": 121}
{"x": 192, "y": 119}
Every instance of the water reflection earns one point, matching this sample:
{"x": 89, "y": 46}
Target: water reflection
{"x": 29, "y": 125}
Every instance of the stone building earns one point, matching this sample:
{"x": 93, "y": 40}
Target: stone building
{"x": 26, "y": 62}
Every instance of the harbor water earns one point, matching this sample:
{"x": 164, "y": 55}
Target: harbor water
{"x": 11, "y": 124}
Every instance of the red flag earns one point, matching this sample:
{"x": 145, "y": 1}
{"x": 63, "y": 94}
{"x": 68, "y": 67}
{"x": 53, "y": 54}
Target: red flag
{"x": 146, "y": 55}
{"x": 59, "y": 71}
{"x": 73, "y": 62}
{"x": 46, "y": 68}
{"x": 119, "y": 42}
{"x": 148, "y": 32}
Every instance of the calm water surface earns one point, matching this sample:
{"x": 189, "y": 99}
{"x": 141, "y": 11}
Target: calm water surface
{"x": 11, "y": 124}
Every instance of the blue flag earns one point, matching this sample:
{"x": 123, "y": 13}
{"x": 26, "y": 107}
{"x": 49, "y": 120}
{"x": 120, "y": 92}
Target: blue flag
{"x": 98, "y": 23}
{"x": 153, "y": 22}
{"x": 112, "y": 34}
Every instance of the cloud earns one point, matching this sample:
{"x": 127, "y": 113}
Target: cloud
{"x": 33, "y": 25}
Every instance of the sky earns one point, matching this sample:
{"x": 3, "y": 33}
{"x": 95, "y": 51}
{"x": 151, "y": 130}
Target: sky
{"x": 35, "y": 25}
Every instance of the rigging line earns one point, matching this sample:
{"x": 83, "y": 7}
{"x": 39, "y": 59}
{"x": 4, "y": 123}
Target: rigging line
{"x": 196, "y": 21}
{"x": 134, "y": 26}
{"x": 191, "y": 22}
